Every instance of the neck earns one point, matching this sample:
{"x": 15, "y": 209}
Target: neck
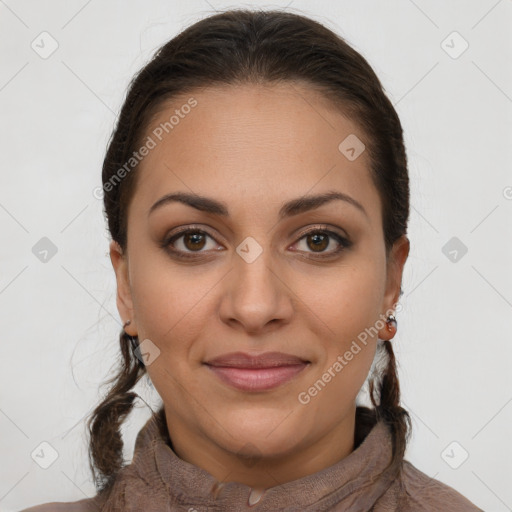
{"x": 255, "y": 470}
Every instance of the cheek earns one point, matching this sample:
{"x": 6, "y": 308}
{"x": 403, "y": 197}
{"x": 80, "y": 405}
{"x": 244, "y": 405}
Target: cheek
{"x": 344, "y": 312}
{"x": 348, "y": 306}
{"x": 170, "y": 303}
{"x": 345, "y": 302}
{"x": 171, "y": 311}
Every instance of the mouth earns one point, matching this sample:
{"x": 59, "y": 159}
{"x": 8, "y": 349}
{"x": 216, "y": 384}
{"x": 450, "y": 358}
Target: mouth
{"x": 256, "y": 373}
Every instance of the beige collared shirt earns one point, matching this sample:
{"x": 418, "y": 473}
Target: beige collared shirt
{"x": 157, "y": 480}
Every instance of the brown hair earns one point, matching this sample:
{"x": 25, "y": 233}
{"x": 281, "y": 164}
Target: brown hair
{"x": 248, "y": 47}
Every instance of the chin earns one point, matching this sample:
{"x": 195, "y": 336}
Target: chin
{"x": 262, "y": 432}
{"x": 264, "y": 447}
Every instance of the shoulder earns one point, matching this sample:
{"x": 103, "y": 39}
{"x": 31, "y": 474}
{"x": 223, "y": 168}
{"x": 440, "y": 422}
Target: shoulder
{"x": 85, "y": 505}
{"x": 423, "y": 493}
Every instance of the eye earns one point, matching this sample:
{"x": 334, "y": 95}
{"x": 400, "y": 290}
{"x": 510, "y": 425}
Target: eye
{"x": 190, "y": 240}
{"x": 319, "y": 239}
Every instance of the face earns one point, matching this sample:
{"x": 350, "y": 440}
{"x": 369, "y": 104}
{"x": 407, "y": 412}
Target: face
{"x": 253, "y": 275}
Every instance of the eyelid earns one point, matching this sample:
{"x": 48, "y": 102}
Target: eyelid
{"x": 324, "y": 227}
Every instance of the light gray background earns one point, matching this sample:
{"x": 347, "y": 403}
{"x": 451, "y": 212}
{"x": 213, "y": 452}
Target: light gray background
{"x": 59, "y": 319}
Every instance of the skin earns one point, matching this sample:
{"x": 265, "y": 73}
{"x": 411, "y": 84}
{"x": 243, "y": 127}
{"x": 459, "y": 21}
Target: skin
{"x": 254, "y": 147}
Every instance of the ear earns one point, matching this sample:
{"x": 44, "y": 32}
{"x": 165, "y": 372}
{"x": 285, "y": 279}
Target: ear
{"x": 124, "y": 298}
{"x": 395, "y": 266}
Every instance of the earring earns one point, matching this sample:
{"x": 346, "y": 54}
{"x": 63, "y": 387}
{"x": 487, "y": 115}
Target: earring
{"x": 134, "y": 340}
{"x": 391, "y": 325}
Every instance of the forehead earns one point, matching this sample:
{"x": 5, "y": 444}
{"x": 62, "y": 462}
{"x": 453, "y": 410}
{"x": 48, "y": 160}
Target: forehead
{"x": 252, "y": 143}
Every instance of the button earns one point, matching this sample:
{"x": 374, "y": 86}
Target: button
{"x": 216, "y": 489}
{"x": 255, "y": 496}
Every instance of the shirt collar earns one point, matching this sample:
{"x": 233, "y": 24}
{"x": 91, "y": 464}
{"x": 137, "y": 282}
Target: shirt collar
{"x": 157, "y": 477}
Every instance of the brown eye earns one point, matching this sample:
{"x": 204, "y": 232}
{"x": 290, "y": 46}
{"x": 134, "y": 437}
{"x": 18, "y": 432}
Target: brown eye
{"x": 317, "y": 241}
{"x": 194, "y": 241}
{"x": 187, "y": 242}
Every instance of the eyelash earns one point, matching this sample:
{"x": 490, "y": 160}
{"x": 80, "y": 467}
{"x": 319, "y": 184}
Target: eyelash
{"x": 168, "y": 241}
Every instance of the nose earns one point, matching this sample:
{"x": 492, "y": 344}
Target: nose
{"x": 256, "y": 296}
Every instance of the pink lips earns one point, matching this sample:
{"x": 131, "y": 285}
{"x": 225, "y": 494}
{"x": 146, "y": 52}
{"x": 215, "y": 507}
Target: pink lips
{"x": 256, "y": 373}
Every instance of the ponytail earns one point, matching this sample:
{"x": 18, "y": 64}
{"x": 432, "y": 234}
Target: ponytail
{"x": 104, "y": 424}
{"x": 385, "y": 397}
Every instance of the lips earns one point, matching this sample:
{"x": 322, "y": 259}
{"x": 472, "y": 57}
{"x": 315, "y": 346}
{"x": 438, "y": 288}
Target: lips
{"x": 265, "y": 360}
{"x": 261, "y": 372}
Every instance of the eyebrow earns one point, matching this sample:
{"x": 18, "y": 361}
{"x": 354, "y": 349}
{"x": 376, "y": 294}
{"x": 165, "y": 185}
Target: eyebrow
{"x": 288, "y": 209}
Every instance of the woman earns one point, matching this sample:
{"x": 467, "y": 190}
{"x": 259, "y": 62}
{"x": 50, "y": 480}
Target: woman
{"x": 257, "y": 194}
